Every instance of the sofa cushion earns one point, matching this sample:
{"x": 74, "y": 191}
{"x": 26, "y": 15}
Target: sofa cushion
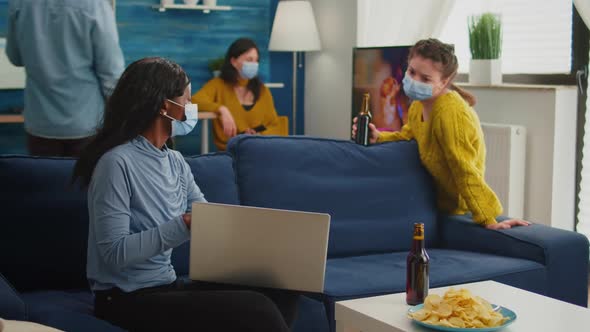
{"x": 81, "y": 301}
{"x": 44, "y": 224}
{"x": 374, "y": 194}
{"x": 11, "y": 305}
{"x": 363, "y": 276}
{"x": 311, "y": 316}
{"x": 66, "y": 310}
{"x": 73, "y": 321}
{"x": 214, "y": 174}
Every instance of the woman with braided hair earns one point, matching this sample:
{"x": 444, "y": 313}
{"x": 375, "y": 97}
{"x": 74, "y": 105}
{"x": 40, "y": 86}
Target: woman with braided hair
{"x": 449, "y": 135}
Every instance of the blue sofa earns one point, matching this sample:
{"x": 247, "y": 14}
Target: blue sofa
{"x": 374, "y": 195}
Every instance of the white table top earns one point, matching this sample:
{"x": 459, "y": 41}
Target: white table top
{"x": 534, "y": 312}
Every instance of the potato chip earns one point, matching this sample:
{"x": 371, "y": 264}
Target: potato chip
{"x": 443, "y": 310}
{"x": 432, "y": 319}
{"x": 458, "y": 309}
{"x": 432, "y": 301}
{"x": 457, "y": 322}
{"x": 421, "y": 314}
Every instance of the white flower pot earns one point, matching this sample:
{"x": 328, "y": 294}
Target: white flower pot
{"x": 485, "y": 72}
{"x": 210, "y": 3}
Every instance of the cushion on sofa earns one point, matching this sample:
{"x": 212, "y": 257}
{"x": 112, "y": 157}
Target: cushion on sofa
{"x": 81, "y": 301}
{"x": 40, "y": 211}
{"x": 11, "y": 304}
{"x": 73, "y": 321}
{"x": 353, "y": 277}
{"x": 311, "y": 316}
{"x": 214, "y": 174}
{"x": 374, "y": 194}
{"x": 66, "y": 310}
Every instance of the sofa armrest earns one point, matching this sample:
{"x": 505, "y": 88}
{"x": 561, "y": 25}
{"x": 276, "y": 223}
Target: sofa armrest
{"x": 563, "y": 253}
{"x": 11, "y": 305}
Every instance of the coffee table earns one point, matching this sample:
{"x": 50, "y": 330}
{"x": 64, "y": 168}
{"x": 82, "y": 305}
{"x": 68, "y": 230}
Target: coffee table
{"x": 534, "y": 312}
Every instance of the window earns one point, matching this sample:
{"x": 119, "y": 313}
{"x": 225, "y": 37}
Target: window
{"x": 537, "y": 36}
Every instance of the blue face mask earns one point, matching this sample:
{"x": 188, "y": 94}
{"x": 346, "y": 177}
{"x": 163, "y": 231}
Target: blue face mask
{"x": 416, "y": 90}
{"x": 249, "y": 69}
{"x": 180, "y": 128}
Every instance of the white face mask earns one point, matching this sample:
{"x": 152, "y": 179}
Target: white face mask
{"x": 180, "y": 128}
{"x": 249, "y": 69}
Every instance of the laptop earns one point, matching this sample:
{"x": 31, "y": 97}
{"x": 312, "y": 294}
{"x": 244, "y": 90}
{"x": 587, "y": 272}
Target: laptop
{"x": 258, "y": 247}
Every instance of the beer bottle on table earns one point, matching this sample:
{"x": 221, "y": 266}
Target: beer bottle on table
{"x": 417, "y": 280}
{"x": 364, "y": 118}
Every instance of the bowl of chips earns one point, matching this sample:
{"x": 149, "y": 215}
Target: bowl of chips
{"x": 459, "y": 310}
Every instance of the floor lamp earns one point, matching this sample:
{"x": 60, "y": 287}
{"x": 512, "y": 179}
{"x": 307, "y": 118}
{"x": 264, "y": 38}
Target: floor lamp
{"x": 294, "y": 30}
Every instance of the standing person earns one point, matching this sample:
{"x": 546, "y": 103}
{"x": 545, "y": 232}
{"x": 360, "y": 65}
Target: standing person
{"x": 243, "y": 103}
{"x": 140, "y": 195}
{"x": 448, "y": 133}
{"x": 72, "y": 59}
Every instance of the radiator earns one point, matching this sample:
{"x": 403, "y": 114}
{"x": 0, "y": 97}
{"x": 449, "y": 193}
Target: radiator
{"x": 505, "y": 165}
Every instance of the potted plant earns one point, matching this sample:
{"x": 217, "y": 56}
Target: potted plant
{"x": 215, "y": 66}
{"x": 485, "y": 43}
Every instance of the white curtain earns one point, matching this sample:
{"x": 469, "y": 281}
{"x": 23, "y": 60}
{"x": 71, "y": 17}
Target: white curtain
{"x": 531, "y": 43}
{"x": 400, "y": 22}
{"x": 583, "y": 7}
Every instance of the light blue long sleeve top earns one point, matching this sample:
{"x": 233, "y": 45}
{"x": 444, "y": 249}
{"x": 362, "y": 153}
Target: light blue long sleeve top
{"x": 72, "y": 59}
{"x": 136, "y": 199}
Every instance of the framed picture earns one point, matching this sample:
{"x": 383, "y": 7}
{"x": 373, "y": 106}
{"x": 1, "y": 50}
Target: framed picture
{"x": 380, "y": 71}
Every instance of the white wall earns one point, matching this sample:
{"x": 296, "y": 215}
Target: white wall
{"x": 328, "y": 73}
{"x": 549, "y": 115}
{"x": 11, "y": 77}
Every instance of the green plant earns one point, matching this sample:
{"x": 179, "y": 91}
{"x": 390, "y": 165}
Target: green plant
{"x": 216, "y": 64}
{"x": 485, "y": 36}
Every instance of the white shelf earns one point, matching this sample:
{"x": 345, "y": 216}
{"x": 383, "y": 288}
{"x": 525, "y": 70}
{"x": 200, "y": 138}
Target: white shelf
{"x": 205, "y": 9}
{"x": 274, "y": 85}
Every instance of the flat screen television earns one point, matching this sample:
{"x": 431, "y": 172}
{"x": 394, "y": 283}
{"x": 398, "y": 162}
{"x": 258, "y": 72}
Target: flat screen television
{"x": 379, "y": 71}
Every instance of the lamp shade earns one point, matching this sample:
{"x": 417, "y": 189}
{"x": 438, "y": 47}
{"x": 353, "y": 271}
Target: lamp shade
{"x": 294, "y": 28}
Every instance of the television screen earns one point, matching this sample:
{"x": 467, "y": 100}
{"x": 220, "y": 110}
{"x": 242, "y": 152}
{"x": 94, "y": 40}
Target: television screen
{"x": 379, "y": 71}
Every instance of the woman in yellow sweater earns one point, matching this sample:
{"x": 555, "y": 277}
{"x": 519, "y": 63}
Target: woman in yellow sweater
{"x": 244, "y": 105}
{"x": 448, "y": 133}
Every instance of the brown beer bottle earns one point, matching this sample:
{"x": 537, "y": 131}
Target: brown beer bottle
{"x": 364, "y": 118}
{"x": 417, "y": 281}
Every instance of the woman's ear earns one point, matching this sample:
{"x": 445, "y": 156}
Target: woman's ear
{"x": 164, "y": 108}
{"x": 234, "y": 62}
{"x": 447, "y": 82}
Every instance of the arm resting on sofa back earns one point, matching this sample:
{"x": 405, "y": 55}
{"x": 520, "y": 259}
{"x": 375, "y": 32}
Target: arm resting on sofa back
{"x": 564, "y": 253}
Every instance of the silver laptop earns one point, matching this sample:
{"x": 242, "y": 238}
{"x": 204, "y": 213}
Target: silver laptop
{"x": 258, "y": 246}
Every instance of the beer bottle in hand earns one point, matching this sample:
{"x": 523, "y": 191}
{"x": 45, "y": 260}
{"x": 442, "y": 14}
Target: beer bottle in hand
{"x": 364, "y": 118}
{"x": 417, "y": 268}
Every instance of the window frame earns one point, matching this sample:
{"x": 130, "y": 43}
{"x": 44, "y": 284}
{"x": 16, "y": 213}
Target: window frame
{"x": 580, "y": 58}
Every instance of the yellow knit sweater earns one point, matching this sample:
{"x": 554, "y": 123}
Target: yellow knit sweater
{"x": 452, "y": 148}
{"x": 216, "y": 93}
